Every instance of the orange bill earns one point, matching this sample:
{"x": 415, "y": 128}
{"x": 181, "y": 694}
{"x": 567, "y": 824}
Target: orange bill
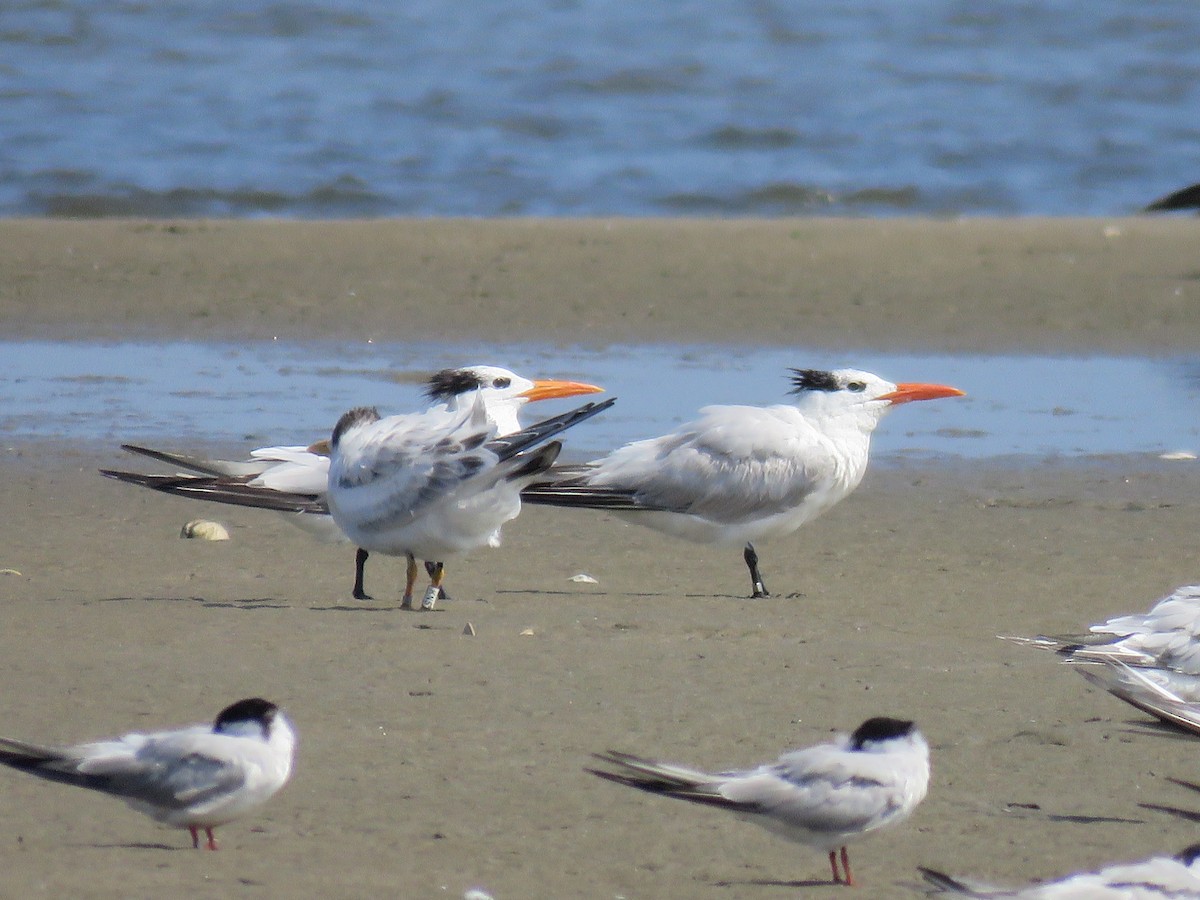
{"x": 552, "y": 390}
{"x": 907, "y": 392}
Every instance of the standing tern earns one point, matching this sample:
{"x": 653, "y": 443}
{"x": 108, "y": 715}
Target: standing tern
{"x": 741, "y": 473}
{"x": 823, "y": 796}
{"x": 272, "y": 477}
{"x": 196, "y": 778}
{"x": 435, "y": 484}
{"x": 1158, "y": 877}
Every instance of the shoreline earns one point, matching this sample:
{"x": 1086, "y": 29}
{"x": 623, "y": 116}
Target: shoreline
{"x": 1115, "y": 285}
{"x": 430, "y": 761}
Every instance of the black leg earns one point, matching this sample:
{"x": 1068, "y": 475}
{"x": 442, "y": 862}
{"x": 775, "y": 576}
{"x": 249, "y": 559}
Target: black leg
{"x": 432, "y": 569}
{"x": 760, "y": 589}
{"x": 360, "y": 564}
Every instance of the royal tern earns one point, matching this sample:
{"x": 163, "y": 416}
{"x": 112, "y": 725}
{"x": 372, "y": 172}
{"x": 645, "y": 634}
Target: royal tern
{"x": 1158, "y": 877}
{"x": 272, "y": 477}
{"x": 823, "y": 796}
{"x": 742, "y": 473}
{"x": 434, "y": 484}
{"x": 1163, "y": 643}
{"x": 196, "y": 778}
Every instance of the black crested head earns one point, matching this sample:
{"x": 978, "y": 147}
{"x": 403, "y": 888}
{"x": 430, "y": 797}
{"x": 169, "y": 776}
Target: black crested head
{"x": 255, "y": 709}
{"x": 881, "y": 728}
{"x": 813, "y": 380}
{"x": 449, "y": 383}
{"x": 1188, "y": 855}
{"x": 360, "y": 415}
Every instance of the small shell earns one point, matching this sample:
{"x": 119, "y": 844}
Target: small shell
{"x": 477, "y": 894}
{"x": 583, "y": 578}
{"x": 469, "y": 631}
{"x": 9, "y": 572}
{"x": 204, "y": 530}
{"x": 527, "y": 632}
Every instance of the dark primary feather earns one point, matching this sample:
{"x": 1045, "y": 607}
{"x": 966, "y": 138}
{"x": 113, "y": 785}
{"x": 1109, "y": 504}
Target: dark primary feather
{"x": 664, "y": 783}
{"x": 512, "y": 444}
{"x": 175, "y": 459}
{"x": 1184, "y": 198}
{"x": 233, "y": 490}
{"x": 556, "y": 493}
{"x": 536, "y": 461}
{"x": 944, "y": 882}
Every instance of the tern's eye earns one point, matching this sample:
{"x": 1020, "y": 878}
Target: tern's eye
{"x": 857, "y": 386}
{"x": 501, "y": 382}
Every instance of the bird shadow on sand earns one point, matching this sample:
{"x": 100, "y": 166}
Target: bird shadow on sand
{"x": 1142, "y": 728}
{"x": 1189, "y": 815}
{"x": 380, "y": 608}
{"x": 247, "y": 603}
{"x": 138, "y": 845}
{"x": 771, "y": 882}
{"x": 546, "y": 593}
{"x": 1021, "y": 810}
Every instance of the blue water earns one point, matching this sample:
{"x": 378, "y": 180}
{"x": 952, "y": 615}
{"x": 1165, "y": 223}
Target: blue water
{"x": 240, "y": 396}
{"x": 586, "y": 107}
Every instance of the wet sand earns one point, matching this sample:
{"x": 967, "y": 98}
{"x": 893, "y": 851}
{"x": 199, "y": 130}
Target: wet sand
{"x": 431, "y": 762}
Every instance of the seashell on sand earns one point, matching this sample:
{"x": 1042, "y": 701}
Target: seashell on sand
{"x": 204, "y": 530}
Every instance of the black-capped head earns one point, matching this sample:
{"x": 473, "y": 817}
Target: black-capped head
{"x": 880, "y": 728}
{"x": 255, "y": 712}
{"x": 813, "y": 380}
{"x": 360, "y": 415}
{"x": 1188, "y": 855}
{"x": 447, "y": 384}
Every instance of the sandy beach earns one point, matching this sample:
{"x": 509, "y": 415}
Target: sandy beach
{"x": 430, "y": 761}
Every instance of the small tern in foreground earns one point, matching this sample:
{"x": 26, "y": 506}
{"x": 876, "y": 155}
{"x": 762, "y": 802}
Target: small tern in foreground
{"x": 435, "y": 484}
{"x": 823, "y": 796}
{"x": 195, "y": 778}
{"x": 292, "y": 480}
{"x": 741, "y": 473}
{"x": 1158, "y": 877}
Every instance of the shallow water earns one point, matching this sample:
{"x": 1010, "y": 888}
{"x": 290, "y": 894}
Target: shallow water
{"x": 582, "y": 107}
{"x": 241, "y": 396}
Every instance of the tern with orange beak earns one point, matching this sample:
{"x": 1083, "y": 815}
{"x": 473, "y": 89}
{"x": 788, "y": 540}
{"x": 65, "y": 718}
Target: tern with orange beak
{"x": 741, "y": 473}
{"x": 293, "y": 480}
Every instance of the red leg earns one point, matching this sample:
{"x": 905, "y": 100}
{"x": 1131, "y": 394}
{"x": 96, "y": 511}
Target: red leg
{"x": 195, "y": 837}
{"x": 410, "y": 578}
{"x": 833, "y": 865}
{"x": 846, "y": 867}
{"x": 212, "y": 841}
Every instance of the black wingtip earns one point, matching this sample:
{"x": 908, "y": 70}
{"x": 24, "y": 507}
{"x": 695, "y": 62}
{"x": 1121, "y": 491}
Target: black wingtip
{"x": 945, "y": 882}
{"x": 1184, "y": 198}
{"x": 511, "y": 444}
